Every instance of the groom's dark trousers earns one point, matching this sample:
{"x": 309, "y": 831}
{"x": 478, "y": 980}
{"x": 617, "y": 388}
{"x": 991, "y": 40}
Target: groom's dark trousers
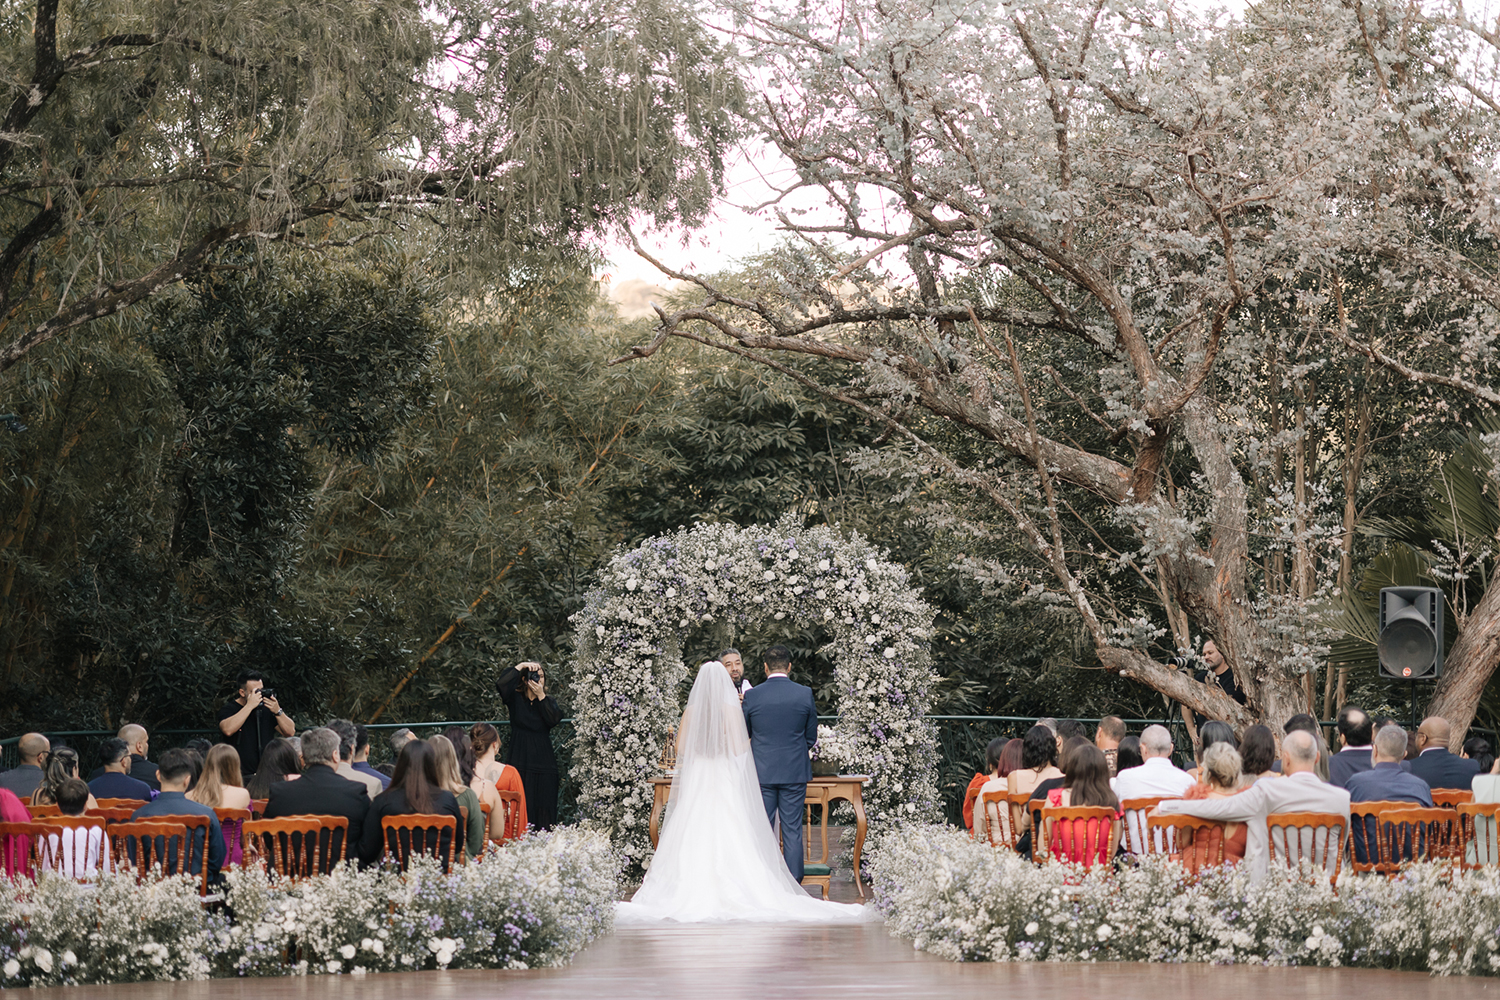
{"x": 782, "y": 720}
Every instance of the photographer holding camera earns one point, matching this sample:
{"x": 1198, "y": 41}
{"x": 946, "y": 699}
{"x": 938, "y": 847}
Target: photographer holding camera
{"x": 252, "y": 719}
{"x": 533, "y": 713}
{"x": 1211, "y": 670}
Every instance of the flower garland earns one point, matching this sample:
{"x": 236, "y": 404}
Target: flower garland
{"x": 628, "y": 663}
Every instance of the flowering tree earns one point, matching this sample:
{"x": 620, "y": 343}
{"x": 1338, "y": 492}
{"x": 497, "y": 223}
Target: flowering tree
{"x": 1133, "y": 278}
{"x": 629, "y": 666}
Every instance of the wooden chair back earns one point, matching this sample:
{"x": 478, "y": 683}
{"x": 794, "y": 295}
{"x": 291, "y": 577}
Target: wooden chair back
{"x": 1364, "y": 835}
{"x": 1086, "y": 835}
{"x": 1307, "y": 842}
{"x": 258, "y": 807}
{"x": 511, "y": 802}
{"x": 1135, "y": 811}
{"x": 131, "y": 804}
{"x": 113, "y": 814}
{"x": 66, "y": 851}
{"x": 1196, "y": 843}
{"x": 166, "y": 844}
{"x": 1451, "y": 798}
{"x": 1017, "y": 811}
{"x": 290, "y": 846}
{"x": 232, "y": 824}
{"x": 435, "y": 835}
{"x": 995, "y": 807}
{"x": 1481, "y": 834}
{"x": 18, "y": 848}
{"x": 39, "y": 812}
{"x": 1416, "y": 833}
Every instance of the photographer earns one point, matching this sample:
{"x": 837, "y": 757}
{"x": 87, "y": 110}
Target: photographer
{"x": 533, "y": 713}
{"x": 1211, "y": 670}
{"x": 252, "y": 719}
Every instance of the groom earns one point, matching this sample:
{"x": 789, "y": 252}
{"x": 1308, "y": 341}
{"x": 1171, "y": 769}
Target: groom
{"x": 783, "y": 724}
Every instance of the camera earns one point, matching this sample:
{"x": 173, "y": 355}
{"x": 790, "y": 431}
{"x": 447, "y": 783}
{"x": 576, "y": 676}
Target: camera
{"x": 531, "y": 675}
{"x": 267, "y": 693}
{"x": 1189, "y": 662}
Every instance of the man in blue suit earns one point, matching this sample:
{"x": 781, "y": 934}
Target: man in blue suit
{"x": 1435, "y": 765}
{"x": 175, "y": 771}
{"x": 782, "y": 720}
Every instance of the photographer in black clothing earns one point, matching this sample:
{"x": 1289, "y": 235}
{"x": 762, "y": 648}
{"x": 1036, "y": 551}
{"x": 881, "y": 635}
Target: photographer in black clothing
{"x": 252, "y": 719}
{"x": 1211, "y": 670}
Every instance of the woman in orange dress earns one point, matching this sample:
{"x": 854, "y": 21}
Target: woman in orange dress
{"x": 1220, "y": 771}
{"x": 490, "y": 774}
{"x": 991, "y": 772}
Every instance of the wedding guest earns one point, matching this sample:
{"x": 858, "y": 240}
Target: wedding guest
{"x": 219, "y": 786}
{"x": 1069, "y": 728}
{"x": 415, "y": 789}
{"x": 114, "y": 780}
{"x": 735, "y": 664}
{"x": 26, "y": 777}
{"x": 464, "y": 749}
{"x": 62, "y": 765}
{"x": 78, "y": 852}
{"x": 450, "y": 778}
{"x": 1356, "y": 729}
{"x": 348, "y": 737}
{"x": 1086, "y": 783}
{"x": 322, "y": 791}
{"x": 138, "y": 767}
{"x": 1107, "y": 737}
{"x": 1044, "y": 788}
{"x": 1302, "y": 722}
{"x": 278, "y": 763}
{"x": 1129, "y": 754}
{"x": 1385, "y": 781}
{"x": 295, "y": 742}
{"x": 14, "y": 847}
{"x": 1257, "y": 755}
{"x": 1156, "y": 777}
{"x": 196, "y": 759}
{"x": 1038, "y": 761}
{"x": 977, "y": 783}
{"x": 174, "y": 770}
{"x": 492, "y": 777}
{"x": 533, "y": 714}
{"x": 1434, "y": 764}
{"x": 1221, "y": 773}
{"x": 398, "y": 740}
{"x": 252, "y": 719}
{"x": 1477, "y": 749}
{"x": 362, "y": 756}
{"x": 1212, "y": 732}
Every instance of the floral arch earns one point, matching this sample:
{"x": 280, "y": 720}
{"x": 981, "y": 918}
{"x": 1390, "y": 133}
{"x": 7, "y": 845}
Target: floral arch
{"x": 628, "y": 665}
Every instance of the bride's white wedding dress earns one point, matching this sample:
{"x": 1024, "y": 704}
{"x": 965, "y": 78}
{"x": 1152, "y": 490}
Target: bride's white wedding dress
{"x": 717, "y": 859}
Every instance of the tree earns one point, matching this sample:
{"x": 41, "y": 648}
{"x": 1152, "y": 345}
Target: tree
{"x": 143, "y": 138}
{"x": 1130, "y": 247}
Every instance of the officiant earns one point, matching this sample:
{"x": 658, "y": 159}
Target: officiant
{"x": 533, "y": 713}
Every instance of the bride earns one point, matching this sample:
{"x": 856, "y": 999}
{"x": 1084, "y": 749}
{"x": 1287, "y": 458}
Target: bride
{"x": 718, "y": 859}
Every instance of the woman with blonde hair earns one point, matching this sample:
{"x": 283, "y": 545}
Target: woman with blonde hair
{"x": 491, "y": 775}
{"x": 219, "y": 785}
{"x": 450, "y": 779}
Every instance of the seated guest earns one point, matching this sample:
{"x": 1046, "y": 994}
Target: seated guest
{"x": 278, "y": 763}
{"x": 348, "y": 737}
{"x": 1220, "y": 772}
{"x": 26, "y": 777}
{"x": 1041, "y": 793}
{"x": 415, "y": 789}
{"x": 991, "y": 764}
{"x": 174, "y": 771}
{"x": 76, "y": 853}
{"x": 398, "y": 741}
{"x": 1257, "y": 755}
{"x": 13, "y": 810}
{"x": 388, "y": 769}
{"x": 1155, "y": 778}
{"x": 1107, "y": 737}
{"x": 1008, "y": 760}
{"x": 1384, "y": 782}
{"x": 321, "y": 791}
{"x": 362, "y": 757}
{"x": 1434, "y": 764}
{"x": 138, "y": 767}
{"x": 1128, "y": 754}
{"x": 1304, "y": 723}
{"x": 219, "y": 785}
{"x": 1039, "y": 750}
{"x": 1355, "y": 732}
{"x": 485, "y": 742}
{"x": 1299, "y": 790}
{"x": 197, "y": 761}
{"x": 1069, "y": 728}
{"x": 1213, "y": 732}
{"x": 451, "y": 778}
{"x": 295, "y": 742}
{"x": 62, "y": 765}
{"x": 1087, "y": 784}
{"x": 113, "y": 780}
{"x": 1477, "y": 749}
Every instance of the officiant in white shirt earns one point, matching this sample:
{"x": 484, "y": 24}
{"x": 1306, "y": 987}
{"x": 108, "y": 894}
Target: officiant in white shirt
{"x": 736, "y": 667}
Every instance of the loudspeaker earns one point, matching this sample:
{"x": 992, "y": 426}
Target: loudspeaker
{"x": 1411, "y": 632}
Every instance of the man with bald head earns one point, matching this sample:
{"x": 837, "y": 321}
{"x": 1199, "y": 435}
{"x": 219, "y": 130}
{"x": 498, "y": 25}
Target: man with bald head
{"x": 1299, "y": 789}
{"x": 26, "y": 777}
{"x": 1434, "y": 764}
{"x": 138, "y": 742}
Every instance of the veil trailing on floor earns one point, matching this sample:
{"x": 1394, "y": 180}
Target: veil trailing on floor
{"x": 718, "y": 858}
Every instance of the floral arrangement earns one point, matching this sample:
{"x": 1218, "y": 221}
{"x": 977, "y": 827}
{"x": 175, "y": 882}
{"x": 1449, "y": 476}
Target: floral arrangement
{"x": 966, "y": 901}
{"x": 628, "y": 663}
{"x": 531, "y": 903}
{"x": 837, "y": 748}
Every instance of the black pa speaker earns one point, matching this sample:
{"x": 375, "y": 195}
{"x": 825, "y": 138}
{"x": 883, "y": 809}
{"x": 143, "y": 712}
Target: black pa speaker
{"x": 1411, "y": 632}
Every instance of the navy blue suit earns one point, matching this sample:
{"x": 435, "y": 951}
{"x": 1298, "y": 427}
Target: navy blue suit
{"x": 1441, "y": 769}
{"x": 1346, "y": 764}
{"x": 782, "y": 720}
{"x": 1385, "y": 782}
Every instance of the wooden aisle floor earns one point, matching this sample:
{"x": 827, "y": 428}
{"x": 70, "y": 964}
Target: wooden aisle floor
{"x": 764, "y": 962}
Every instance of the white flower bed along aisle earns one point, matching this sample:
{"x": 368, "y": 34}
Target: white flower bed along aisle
{"x": 629, "y": 665}
{"x": 534, "y": 902}
{"x": 969, "y": 902}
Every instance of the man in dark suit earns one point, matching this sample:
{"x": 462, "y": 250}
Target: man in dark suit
{"x": 1434, "y": 764}
{"x": 138, "y": 767}
{"x": 782, "y": 720}
{"x": 1355, "y": 732}
{"x": 113, "y": 780}
{"x": 1384, "y": 782}
{"x": 321, "y": 791}
{"x": 174, "y": 772}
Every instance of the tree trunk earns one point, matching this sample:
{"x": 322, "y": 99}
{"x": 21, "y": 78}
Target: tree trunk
{"x": 1469, "y": 664}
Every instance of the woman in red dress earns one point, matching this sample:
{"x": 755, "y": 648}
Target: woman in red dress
{"x": 1086, "y": 777}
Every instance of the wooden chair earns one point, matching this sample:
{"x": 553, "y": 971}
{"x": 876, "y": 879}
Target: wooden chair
{"x": 1416, "y": 833}
{"x": 1017, "y": 809}
{"x": 163, "y": 843}
{"x": 995, "y": 807}
{"x": 816, "y": 871}
{"x": 258, "y": 806}
{"x": 399, "y": 834}
{"x": 1084, "y": 834}
{"x": 289, "y": 846}
{"x": 1303, "y": 842}
{"x": 511, "y": 801}
{"x": 1135, "y": 811}
{"x": 334, "y": 840}
{"x": 73, "y": 837}
{"x": 1451, "y": 798}
{"x": 1481, "y": 834}
{"x": 40, "y": 812}
{"x": 1195, "y": 843}
{"x": 131, "y": 804}
{"x": 18, "y": 848}
{"x": 113, "y": 814}
{"x": 1364, "y": 835}
{"x": 232, "y": 823}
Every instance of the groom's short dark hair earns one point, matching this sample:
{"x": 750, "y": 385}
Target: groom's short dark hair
{"x": 779, "y": 658}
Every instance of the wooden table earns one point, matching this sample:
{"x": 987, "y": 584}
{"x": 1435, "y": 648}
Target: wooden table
{"x": 848, "y": 787}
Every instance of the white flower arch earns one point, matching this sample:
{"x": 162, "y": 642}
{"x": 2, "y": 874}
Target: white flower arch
{"x": 628, "y": 664}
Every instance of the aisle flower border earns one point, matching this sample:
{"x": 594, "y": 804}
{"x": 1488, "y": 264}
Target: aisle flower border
{"x": 628, "y": 664}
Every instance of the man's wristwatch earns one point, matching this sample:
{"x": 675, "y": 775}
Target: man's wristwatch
{"x": 280, "y": 713}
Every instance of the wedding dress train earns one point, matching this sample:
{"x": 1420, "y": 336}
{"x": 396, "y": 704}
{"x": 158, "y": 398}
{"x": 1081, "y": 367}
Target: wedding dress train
{"x": 717, "y": 859}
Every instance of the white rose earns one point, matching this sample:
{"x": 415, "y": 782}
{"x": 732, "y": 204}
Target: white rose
{"x": 334, "y": 965}
{"x": 890, "y": 652}
{"x": 827, "y": 613}
{"x": 709, "y": 565}
{"x": 12, "y": 969}
{"x": 824, "y": 564}
{"x": 1103, "y": 932}
{"x": 871, "y": 565}
{"x": 367, "y": 944}
{"x": 671, "y": 591}
{"x": 43, "y": 959}
{"x": 69, "y": 958}
{"x": 1032, "y": 928}
{"x": 631, "y": 584}
{"x": 347, "y": 951}
{"x": 770, "y": 575}
{"x": 792, "y": 554}
{"x": 379, "y": 947}
{"x": 875, "y": 619}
